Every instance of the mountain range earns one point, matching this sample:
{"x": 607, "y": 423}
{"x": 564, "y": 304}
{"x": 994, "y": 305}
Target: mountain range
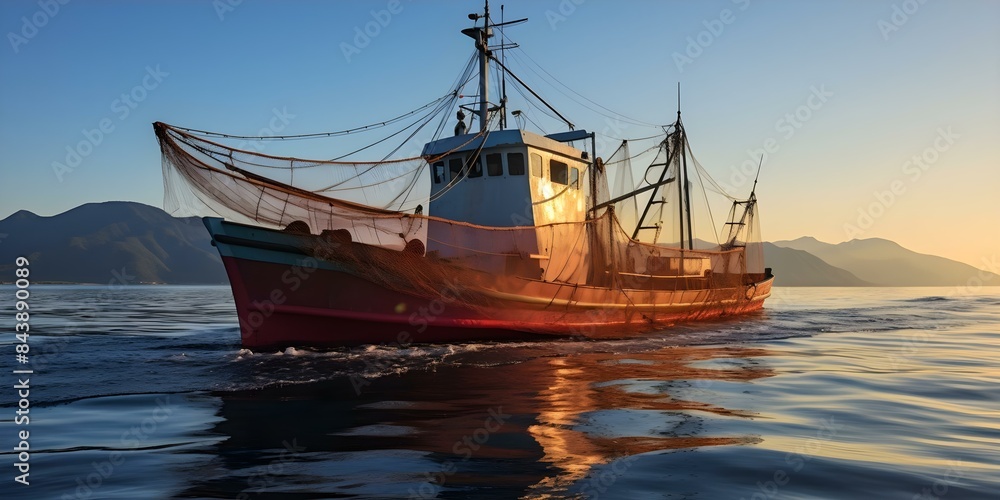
{"x": 127, "y": 242}
{"x": 886, "y": 263}
{"x": 113, "y": 242}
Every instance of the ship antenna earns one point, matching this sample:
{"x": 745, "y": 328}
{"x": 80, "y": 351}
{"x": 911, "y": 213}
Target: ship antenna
{"x": 503, "y": 74}
{"x": 761, "y": 163}
{"x": 678, "y": 101}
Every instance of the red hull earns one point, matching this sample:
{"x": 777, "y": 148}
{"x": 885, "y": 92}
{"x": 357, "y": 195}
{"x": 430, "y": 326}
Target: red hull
{"x": 282, "y": 306}
{"x": 321, "y": 307}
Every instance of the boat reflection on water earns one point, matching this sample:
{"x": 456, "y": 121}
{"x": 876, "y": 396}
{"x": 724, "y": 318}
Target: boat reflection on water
{"x": 488, "y": 420}
{"x": 659, "y": 386}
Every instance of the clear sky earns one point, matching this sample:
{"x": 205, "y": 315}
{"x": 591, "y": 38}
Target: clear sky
{"x": 845, "y": 94}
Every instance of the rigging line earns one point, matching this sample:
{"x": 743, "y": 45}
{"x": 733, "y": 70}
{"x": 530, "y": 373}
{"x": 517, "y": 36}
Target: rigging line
{"x": 630, "y": 158}
{"x": 718, "y": 187}
{"x": 221, "y": 156}
{"x": 418, "y": 129}
{"x": 187, "y": 138}
{"x": 526, "y": 87}
{"x": 581, "y": 234}
{"x": 464, "y": 74}
{"x": 406, "y": 194}
{"x": 443, "y": 122}
{"x": 457, "y": 89}
{"x": 334, "y": 188}
{"x": 614, "y": 114}
{"x": 526, "y": 117}
{"x": 501, "y": 102}
{"x": 447, "y": 98}
{"x": 377, "y": 164}
{"x": 462, "y": 174}
{"x": 455, "y": 180}
{"x": 319, "y": 134}
{"x": 409, "y": 189}
{"x": 661, "y": 134}
{"x": 533, "y": 103}
{"x": 463, "y": 79}
{"x": 612, "y": 155}
{"x": 704, "y": 195}
{"x": 390, "y": 136}
{"x": 263, "y": 182}
{"x": 325, "y": 189}
{"x": 536, "y": 102}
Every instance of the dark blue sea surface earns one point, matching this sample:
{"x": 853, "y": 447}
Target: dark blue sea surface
{"x": 144, "y": 392}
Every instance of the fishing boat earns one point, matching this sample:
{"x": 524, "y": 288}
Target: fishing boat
{"x": 490, "y": 233}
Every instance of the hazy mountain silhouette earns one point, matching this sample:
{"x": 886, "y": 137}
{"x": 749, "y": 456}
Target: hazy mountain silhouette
{"x": 126, "y": 241}
{"x": 111, "y": 242}
{"x": 793, "y": 267}
{"x": 886, "y": 263}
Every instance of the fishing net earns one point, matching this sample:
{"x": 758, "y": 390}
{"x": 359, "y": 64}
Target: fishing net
{"x": 591, "y": 266}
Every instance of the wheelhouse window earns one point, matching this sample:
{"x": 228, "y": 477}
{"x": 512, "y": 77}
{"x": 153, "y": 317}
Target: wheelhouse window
{"x": 536, "y": 165}
{"x": 494, "y": 164}
{"x": 438, "y": 172}
{"x": 476, "y": 169}
{"x": 455, "y": 167}
{"x": 574, "y": 177}
{"x": 559, "y": 172}
{"x": 515, "y": 164}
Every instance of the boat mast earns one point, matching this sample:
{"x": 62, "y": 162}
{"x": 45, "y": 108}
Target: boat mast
{"x": 481, "y": 36}
{"x": 503, "y": 75}
{"x": 684, "y": 187}
{"x": 681, "y": 178}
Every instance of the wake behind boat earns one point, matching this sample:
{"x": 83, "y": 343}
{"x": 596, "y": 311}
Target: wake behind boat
{"x": 501, "y": 233}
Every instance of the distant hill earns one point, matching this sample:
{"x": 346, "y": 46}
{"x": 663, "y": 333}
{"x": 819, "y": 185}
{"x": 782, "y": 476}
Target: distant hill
{"x": 793, "y": 267}
{"x": 95, "y": 242}
{"x": 886, "y": 263}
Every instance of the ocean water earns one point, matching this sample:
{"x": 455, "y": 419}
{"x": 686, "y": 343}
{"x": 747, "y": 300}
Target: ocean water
{"x": 144, "y": 392}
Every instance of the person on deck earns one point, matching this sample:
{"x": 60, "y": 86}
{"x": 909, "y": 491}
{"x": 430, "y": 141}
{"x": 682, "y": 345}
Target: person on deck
{"x": 460, "y": 126}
